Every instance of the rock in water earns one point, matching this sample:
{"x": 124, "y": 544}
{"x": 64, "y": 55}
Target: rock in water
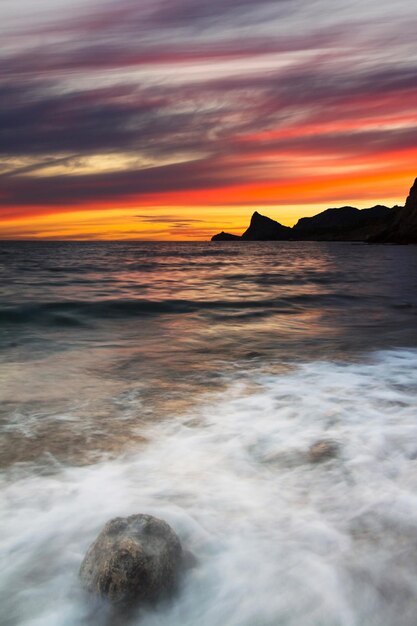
{"x": 134, "y": 560}
{"x": 322, "y": 450}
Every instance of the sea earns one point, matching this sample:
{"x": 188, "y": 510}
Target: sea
{"x": 189, "y": 381}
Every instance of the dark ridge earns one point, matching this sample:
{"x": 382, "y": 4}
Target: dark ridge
{"x": 402, "y": 225}
{"x": 377, "y": 224}
{"x": 329, "y": 219}
{"x": 346, "y": 222}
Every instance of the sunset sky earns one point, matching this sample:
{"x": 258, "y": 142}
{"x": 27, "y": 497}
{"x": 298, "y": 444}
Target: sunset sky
{"x": 174, "y": 119}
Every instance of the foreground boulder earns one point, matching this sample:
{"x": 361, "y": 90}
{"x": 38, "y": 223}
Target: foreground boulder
{"x": 134, "y": 560}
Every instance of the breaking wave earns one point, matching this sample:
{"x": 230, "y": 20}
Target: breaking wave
{"x": 278, "y": 540}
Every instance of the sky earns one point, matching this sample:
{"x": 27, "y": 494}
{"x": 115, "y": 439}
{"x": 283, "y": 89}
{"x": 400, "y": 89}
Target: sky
{"x": 175, "y": 119}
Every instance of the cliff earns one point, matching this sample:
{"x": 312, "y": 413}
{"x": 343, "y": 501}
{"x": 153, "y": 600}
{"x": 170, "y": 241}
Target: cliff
{"x": 402, "y": 227}
{"x": 343, "y": 224}
{"x": 262, "y": 228}
{"x": 378, "y": 224}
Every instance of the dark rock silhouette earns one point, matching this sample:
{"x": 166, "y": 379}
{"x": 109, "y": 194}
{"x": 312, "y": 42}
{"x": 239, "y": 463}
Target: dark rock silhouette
{"x": 345, "y": 223}
{"x": 134, "y": 560}
{"x": 328, "y": 220}
{"x": 225, "y": 237}
{"x": 378, "y": 224}
{"x": 262, "y": 228}
{"x": 342, "y": 224}
{"x": 402, "y": 227}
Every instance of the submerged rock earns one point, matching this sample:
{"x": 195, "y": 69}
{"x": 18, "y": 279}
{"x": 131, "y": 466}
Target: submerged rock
{"x": 322, "y": 450}
{"x": 134, "y": 560}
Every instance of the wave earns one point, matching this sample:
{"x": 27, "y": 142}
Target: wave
{"x": 278, "y": 540}
{"x": 62, "y": 311}
{"x": 76, "y": 311}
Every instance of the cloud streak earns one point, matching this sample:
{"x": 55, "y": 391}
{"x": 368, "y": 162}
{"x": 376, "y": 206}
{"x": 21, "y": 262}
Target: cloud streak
{"x": 190, "y": 99}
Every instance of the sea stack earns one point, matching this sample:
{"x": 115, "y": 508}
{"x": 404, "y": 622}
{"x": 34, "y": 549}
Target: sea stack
{"x": 262, "y": 228}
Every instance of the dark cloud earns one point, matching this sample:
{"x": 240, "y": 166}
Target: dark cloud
{"x": 202, "y": 118}
{"x": 197, "y": 14}
{"x": 79, "y": 56}
{"x": 167, "y": 219}
{"x": 37, "y": 119}
{"x": 70, "y": 190}
{"x": 140, "y": 16}
{"x": 205, "y": 174}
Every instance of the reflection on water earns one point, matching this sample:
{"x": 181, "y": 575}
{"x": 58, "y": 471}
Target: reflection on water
{"x": 188, "y": 381}
{"x": 84, "y": 324}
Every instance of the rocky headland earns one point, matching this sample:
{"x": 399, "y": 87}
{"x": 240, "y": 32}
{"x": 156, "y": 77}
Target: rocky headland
{"x": 401, "y": 227}
{"x": 377, "y": 224}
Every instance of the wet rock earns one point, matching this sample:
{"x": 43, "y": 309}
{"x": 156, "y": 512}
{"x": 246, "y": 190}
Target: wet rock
{"x": 134, "y": 560}
{"x": 322, "y": 450}
{"x": 189, "y": 560}
{"x": 252, "y": 355}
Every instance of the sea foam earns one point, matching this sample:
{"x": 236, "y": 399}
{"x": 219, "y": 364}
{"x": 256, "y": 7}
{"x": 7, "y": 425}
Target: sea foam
{"x": 277, "y": 539}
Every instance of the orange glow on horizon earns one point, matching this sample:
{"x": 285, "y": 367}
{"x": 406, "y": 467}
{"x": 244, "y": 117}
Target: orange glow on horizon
{"x": 196, "y": 215}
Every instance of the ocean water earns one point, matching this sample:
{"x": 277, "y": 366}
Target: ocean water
{"x": 189, "y": 381}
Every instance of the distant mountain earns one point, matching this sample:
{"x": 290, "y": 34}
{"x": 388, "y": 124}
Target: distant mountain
{"x": 378, "y": 224}
{"x": 262, "y": 228}
{"x": 402, "y": 225}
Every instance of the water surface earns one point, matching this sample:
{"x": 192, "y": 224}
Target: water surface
{"x": 188, "y": 381}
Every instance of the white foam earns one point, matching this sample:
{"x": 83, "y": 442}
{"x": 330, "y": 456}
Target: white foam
{"x": 278, "y": 540}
